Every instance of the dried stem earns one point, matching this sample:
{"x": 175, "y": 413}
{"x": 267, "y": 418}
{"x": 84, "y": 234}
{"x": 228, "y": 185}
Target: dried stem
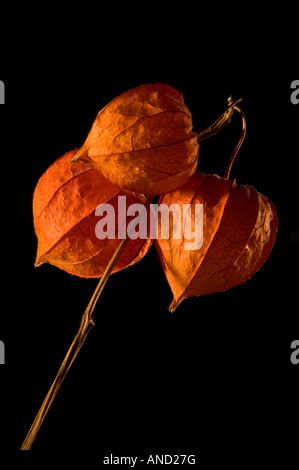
{"x": 221, "y": 122}
{"x": 85, "y": 326}
{"x": 231, "y": 160}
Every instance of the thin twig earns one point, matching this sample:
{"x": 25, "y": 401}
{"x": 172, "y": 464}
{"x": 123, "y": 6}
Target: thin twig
{"x": 220, "y": 123}
{"x": 85, "y": 326}
{"x": 231, "y": 160}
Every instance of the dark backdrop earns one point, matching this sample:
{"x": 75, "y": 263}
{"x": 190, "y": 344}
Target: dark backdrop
{"x": 213, "y": 379}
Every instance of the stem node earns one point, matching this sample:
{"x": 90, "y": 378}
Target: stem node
{"x": 221, "y": 122}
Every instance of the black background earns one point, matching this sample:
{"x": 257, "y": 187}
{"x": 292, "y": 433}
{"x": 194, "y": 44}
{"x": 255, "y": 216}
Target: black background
{"x": 213, "y": 379}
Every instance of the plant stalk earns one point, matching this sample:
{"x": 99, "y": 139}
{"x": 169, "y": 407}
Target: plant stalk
{"x": 86, "y": 325}
{"x": 220, "y": 123}
{"x": 243, "y": 132}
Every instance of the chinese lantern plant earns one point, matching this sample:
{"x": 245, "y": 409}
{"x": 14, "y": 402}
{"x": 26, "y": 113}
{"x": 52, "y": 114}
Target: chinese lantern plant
{"x": 239, "y": 227}
{"x": 64, "y": 206}
{"x": 142, "y": 143}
